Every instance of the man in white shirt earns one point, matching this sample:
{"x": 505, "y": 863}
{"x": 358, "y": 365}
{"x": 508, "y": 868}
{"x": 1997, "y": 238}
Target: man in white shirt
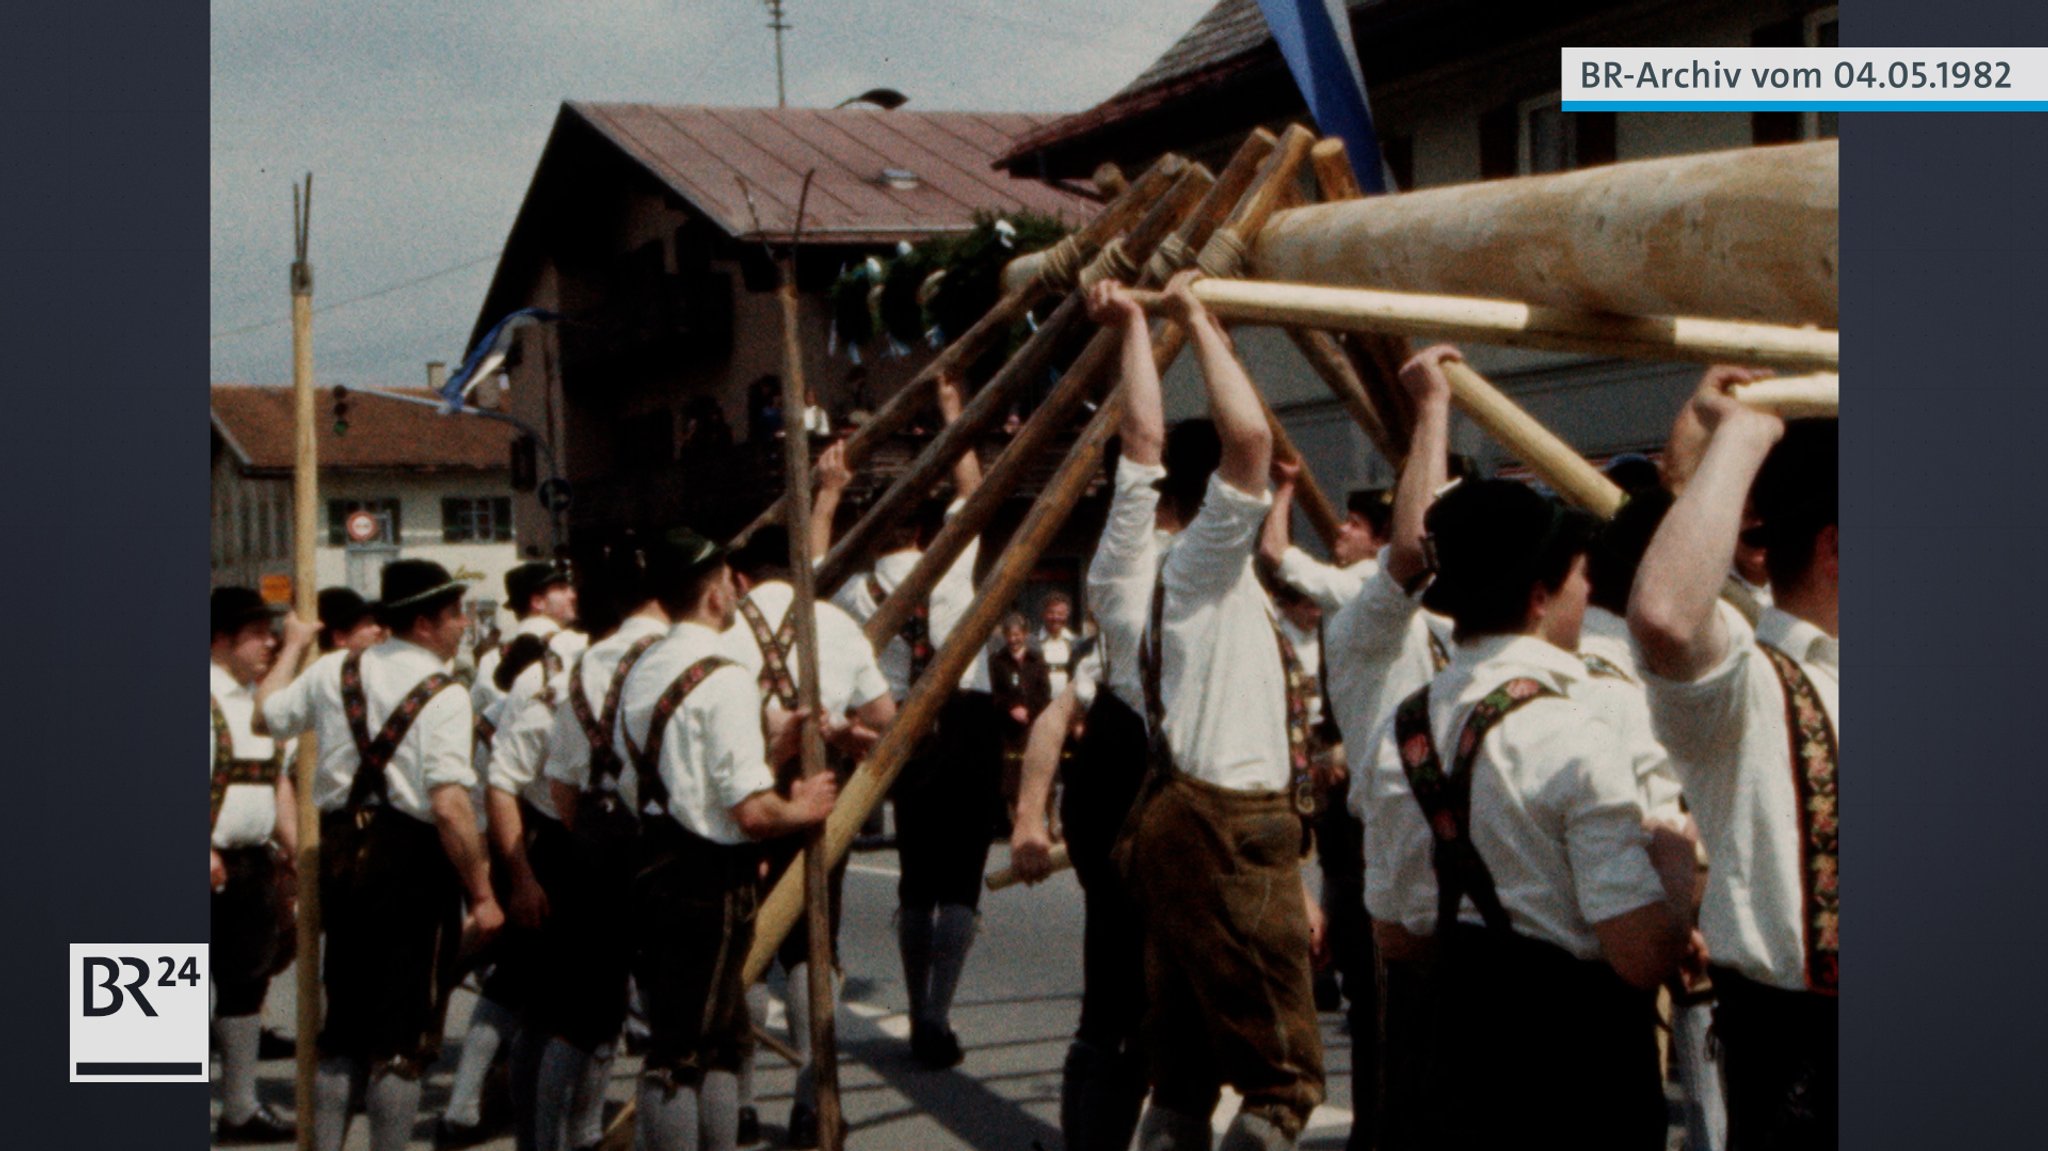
{"x": 690, "y": 724}
{"x": 949, "y": 795}
{"x": 1513, "y": 840}
{"x": 856, "y": 704}
{"x": 1214, "y": 855}
{"x": 399, "y": 844}
{"x": 255, "y": 828}
{"x": 1055, "y": 641}
{"x": 578, "y": 1002}
{"x": 1359, "y": 538}
{"x": 1752, "y": 719}
{"x": 542, "y": 597}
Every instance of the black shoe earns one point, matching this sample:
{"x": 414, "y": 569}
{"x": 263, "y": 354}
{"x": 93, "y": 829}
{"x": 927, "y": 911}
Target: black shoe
{"x": 262, "y": 1127}
{"x": 750, "y": 1127}
{"x": 803, "y": 1126}
{"x": 275, "y": 1046}
{"x": 935, "y": 1047}
{"x": 448, "y": 1136}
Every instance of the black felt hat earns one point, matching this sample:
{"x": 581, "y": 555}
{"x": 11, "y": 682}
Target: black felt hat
{"x": 530, "y": 579}
{"x": 681, "y": 553}
{"x": 413, "y": 583}
{"x": 1492, "y": 537}
{"x": 234, "y": 608}
{"x": 341, "y": 609}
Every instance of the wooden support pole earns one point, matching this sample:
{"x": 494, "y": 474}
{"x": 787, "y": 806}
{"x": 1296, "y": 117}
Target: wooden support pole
{"x": 306, "y": 602}
{"x": 1375, "y": 361}
{"x": 1519, "y": 325}
{"x": 1818, "y": 396}
{"x": 972, "y": 344}
{"x": 1322, "y": 515}
{"x": 803, "y": 610}
{"x": 1327, "y": 359}
{"x": 1024, "y": 370}
{"x": 1564, "y": 469}
{"x": 871, "y": 780}
{"x": 1007, "y": 877}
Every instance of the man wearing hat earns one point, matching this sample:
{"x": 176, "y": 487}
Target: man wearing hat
{"x": 690, "y": 725}
{"x": 856, "y": 703}
{"x": 347, "y": 621}
{"x": 542, "y": 597}
{"x": 948, "y": 795}
{"x": 400, "y": 847}
{"x": 1752, "y": 718}
{"x": 1213, "y": 857}
{"x": 255, "y": 830}
{"x": 1504, "y": 825}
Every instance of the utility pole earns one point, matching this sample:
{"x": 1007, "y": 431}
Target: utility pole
{"x": 776, "y": 23}
{"x": 306, "y": 601}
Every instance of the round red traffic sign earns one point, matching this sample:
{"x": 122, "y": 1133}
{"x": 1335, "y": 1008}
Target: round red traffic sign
{"x": 362, "y": 526}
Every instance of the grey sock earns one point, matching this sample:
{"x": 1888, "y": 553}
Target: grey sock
{"x": 586, "y": 1114}
{"x": 489, "y": 1024}
{"x": 1164, "y": 1130}
{"x": 336, "y": 1083}
{"x": 524, "y": 1060}
{"x": 952, "y": 939}
{"x": 914, "y": 940}
{"x": 393, "y": 1105}
{"x": 554, "y": 1092}
{"x": 239, "y": 1035}
{"x": 668, "y": 1116}
{"x": 720, "y": 1112}
{"x": 757, "y": 1010}
{"x": 1254, "y": 1133}
{"x": 806, "y": 1091}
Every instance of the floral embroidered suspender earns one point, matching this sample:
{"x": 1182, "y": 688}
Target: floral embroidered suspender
{"x": 1816, "y": 757}
{"x": 775, "y": 647}
{"x": 1438, "y": 657}
{"x": 370, "y": 787}
{"x": 227, "y": 770}
{"x": 605, "y": 764}
{"x": 1446, "y": 800}
{"x": 647, "y": 760}
{"x": 917, "y": 630}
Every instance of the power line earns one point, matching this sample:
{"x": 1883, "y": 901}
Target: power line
{"x": 370, "y": 295}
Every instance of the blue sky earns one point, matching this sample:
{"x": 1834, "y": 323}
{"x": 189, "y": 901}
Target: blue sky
{"x": 421, "y": 121}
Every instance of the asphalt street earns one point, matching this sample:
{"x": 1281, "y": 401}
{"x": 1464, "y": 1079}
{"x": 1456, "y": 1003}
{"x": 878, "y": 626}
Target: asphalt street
{"x": 1016, "y": 1010}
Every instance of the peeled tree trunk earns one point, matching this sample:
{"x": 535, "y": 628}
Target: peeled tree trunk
{"x": 1747, "y": 234}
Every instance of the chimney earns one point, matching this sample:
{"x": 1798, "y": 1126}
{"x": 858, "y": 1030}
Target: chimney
{"x": 437, "y": 375}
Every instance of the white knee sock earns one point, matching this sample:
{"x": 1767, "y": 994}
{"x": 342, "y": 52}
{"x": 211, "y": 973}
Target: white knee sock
{"x": 721, "y": 1111}
{"x": 668, "y": 1117}
{"x": 393, "y": 1104}
{"x": 586, "y": 1115}
{"x": 561, "y": 1072}
{"x": 489, "y": 1026}
{"x": 239, "y": 1037}
{"x": 335, "y": 1086}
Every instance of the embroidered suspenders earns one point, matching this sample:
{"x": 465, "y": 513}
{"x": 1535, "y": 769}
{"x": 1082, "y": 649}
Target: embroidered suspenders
{"x": 775, "y": 647}
{"x": 370, "y": 787}
{"x": 1816, "y": 757}
{"x": 917, "y": 630}
{"x": 1439, "y": 659}
{"x": 1446, "y": 800}
{"x": 1603, "y": 668}
{"x": 605, "y": 764}
{"x": 647, "y": 760}
{"x": 227, "y": 770}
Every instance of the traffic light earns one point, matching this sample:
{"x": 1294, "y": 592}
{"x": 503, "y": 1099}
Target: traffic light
{"x": 340, "y": 410}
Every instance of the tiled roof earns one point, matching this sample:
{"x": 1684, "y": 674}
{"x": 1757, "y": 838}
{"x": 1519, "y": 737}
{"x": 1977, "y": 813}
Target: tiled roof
{"x": 256, "y": 421}
{"x": 703, "y": 154}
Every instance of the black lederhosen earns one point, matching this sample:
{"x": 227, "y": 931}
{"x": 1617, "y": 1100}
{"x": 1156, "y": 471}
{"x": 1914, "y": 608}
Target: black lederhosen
{"x": 1109, "y": 766}
{"x": 1780, "y": 1064}
{"x": 1540, "y": 1048}
{"x": 514, "y": 954}
{"x": 946, "y": 805}
{"x": 251, "y": 939}
{"x": 693, "y": 906}
{"x": 391, "y": 904}
{"x": 584, "y": 951}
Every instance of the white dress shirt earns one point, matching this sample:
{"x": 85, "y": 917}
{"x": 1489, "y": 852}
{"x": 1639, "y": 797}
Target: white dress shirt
{"x": 1727, "y": 735}
{"x": 848, "y": 675}
{"x": 1555, "y": 814}
{"x": 948, "y": 602}
{"x": 568, "y": 758}
{"x": 1605, "y": 636}
{"x": 434, "y": 753}
{"x": 713, "y": 756}
{"x": 1121, "y": 576}
{"x": 248, "y": 812}
{"x": 1378, "y": 654}
{"x": 1327, "y": 584}
{"x": 525, "y": 718}
{"x": 1058, "y": 652}
{"x": 564, "y": 643}
{"x": 1220, "y": 674}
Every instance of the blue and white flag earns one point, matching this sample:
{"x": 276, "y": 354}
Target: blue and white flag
{"x": 1315, "y": 39}
{"x": 488, "y": 356}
